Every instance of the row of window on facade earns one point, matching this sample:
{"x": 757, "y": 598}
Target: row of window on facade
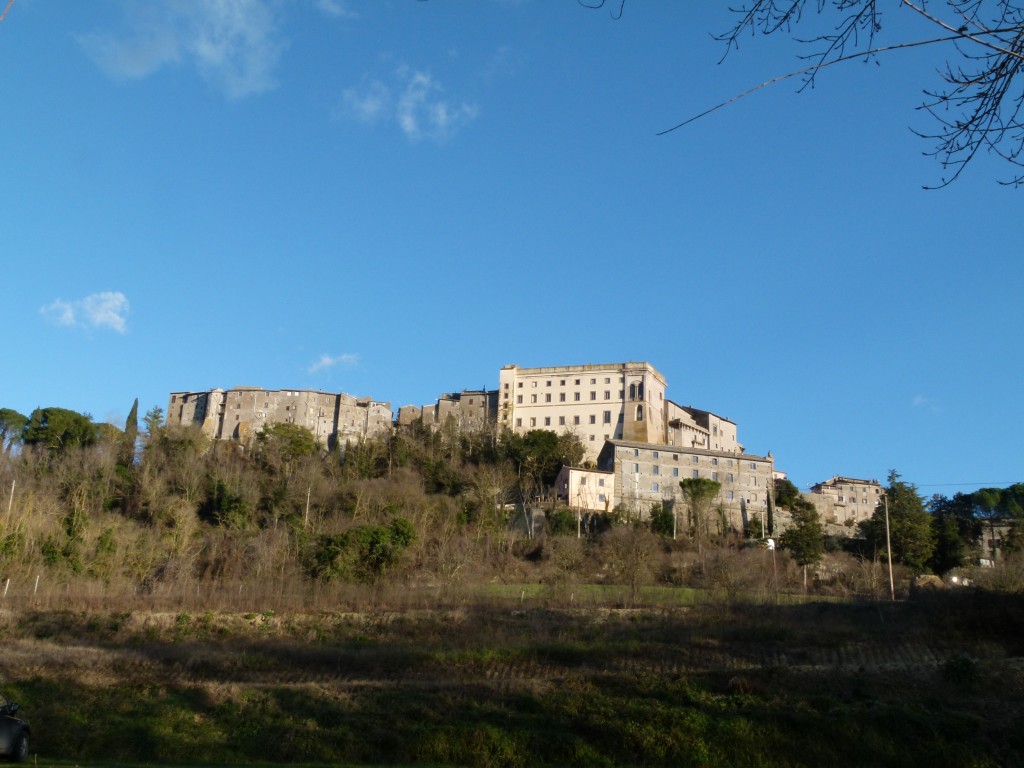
{"x": 729, "y": 477}
{"x": 695, "y": 459}
{"x": 606, "y": 418}
{"x": 729, "y": 495}
{"x": 636, "y": 392}
{"x": 561, "y": 382}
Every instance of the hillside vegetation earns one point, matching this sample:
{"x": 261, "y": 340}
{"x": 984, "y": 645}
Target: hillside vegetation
{"x": 166, "y": 519}
{"x": 168, "y": 599}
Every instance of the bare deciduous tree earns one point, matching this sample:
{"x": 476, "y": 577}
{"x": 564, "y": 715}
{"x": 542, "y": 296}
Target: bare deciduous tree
{"x": 977, "y": 106}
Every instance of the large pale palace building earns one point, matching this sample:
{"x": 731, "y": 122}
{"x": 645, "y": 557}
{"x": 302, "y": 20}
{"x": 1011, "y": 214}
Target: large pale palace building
{"x": 618, "y": 401}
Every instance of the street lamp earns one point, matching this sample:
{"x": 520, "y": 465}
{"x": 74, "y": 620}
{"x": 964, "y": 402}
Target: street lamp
{"x": 888, "y": 548}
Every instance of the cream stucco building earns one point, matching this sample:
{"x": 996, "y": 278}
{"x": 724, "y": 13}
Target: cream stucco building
{"x": 241, "y": 412}
{"x": 617, "y": 401}
{"x": 589, "y": 490}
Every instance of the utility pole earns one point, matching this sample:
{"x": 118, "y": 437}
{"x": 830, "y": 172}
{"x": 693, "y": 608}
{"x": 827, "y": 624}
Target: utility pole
{"x": 10, "y": 503}
{"x": 888, "y": 548}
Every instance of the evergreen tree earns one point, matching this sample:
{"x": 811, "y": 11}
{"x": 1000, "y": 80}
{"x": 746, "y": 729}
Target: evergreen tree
{"x": 910, "y": 526}
{"x": 805, "y": 539}
{"x": 126, "y": 453}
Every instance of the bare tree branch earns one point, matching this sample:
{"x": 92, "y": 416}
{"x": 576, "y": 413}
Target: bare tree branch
{"x": 980, "y": 105}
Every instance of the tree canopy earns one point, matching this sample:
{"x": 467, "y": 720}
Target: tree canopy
{"x": 12, "y": 424}
{"x": 910, "y": 525}
{"x": 59, "y": 428}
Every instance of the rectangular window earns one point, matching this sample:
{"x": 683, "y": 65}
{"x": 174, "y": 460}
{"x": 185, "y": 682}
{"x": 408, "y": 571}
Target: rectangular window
{"x": 533, "y": 421}
{"x": 547, "y": 397}
{"x": 654, "y": 487}
{"x": 547, "y": 421}
{"x": 636, "y": 469}
{"x": 519, "y": 422}
{"x": 576, "y": 396}
{"x": 591, "y": 438}
{"x": 561, "y": 382}
{"x": 519, "y": 399}
{"x": 696, "y": 473}
{"x": 593, "y": 419}
{"x": 600, "y": 481}
{"x": 575, "y": 419}
{"x": 675, "y": 471}
{"x": 561, "y": 421}
{"x": 547, "y": 383}
{"x": 714, "y": 476}
{"x": 583, "y": 480}
{"x": 696, "y": 459}
{"x": 655, "y": 454}
{"x": 600, "y": 498}
{"x": 561, "y": 397}
{"x": 728, "y": 496}
{"x": 577, "y": 382}
{"x": 593, "y": 395}
{"x": 729, "y": 477}
{"x": 656, "y": 470}
{"x": 636, "y": 451}
{"x": 607, "y": 395}
{"x": 593, "y": 381}
{"x": 533, "y": 398}
{"x": 753, "y": 465}
{"x": 607, "y": 381}
{"x": 607, "y": 417}
{"x": 714, "y": 461}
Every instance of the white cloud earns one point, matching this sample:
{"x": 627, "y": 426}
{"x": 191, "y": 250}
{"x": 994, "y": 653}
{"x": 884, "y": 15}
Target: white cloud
{"x": 233, "y": 44}
{"x": 329, "y": 361}
{"x": 370, "y": 105}
{"x": 335, "y": 8}
{"x": 108, "y": 309}
{"x": 415, "y": 102}
{"x": 922, "y": 401}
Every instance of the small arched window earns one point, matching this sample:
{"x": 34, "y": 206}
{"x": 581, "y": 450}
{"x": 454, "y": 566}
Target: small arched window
{"x": 639, "y": 413}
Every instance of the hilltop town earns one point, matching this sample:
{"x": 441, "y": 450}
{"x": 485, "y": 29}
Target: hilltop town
{"x": 637, "y": 444}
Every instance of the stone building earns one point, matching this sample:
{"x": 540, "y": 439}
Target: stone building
{"x": 845, "y": 501}
{"x": 469, "y": 410}
{"x": 688, "y": 427}
{"x": 241, "y": 412}
{"x": 647, "y": 474}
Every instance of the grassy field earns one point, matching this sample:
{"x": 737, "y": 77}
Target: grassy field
{"x": 935, "y": 682}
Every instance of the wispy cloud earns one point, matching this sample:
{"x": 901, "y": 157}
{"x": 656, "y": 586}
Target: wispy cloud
{"x": 335, "y": 8}
{"x": 415, "y": 101}
{"x": 330, "y": 361}
{"x": 233, "y": 44}
{"x": 922, "y": 401}
{"x": 108, "y": 309}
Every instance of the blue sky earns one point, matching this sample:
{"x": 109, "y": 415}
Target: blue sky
{"x": 394, "y": 198}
